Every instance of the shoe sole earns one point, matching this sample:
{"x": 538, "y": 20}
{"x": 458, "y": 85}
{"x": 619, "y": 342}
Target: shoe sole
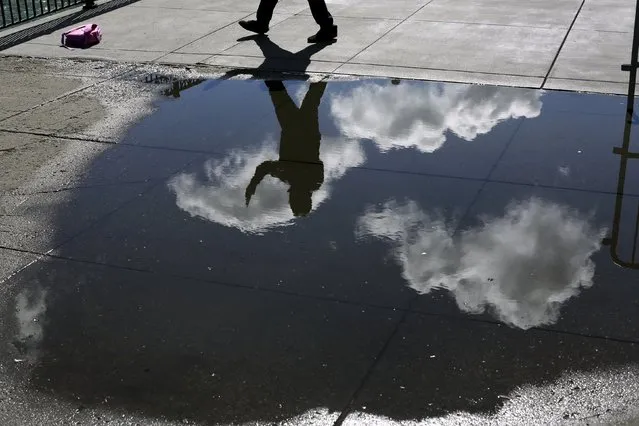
{"x": 323, "y": 40}
{"x": 327, "y": 39}
{"x": 253, "y": 30}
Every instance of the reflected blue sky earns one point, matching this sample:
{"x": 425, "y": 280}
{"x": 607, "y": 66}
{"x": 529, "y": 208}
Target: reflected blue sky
{"x": 416, "y": 117}
{"x": 521, "y": 266}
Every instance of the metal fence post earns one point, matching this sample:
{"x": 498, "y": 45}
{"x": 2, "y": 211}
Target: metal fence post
{"x": 632, "y": 66}
{"x": 625, "y": 155}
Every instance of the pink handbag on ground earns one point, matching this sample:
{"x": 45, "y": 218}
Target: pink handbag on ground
{"x": 82, "y": 37}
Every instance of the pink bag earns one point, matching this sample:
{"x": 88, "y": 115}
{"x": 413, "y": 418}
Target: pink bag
{"x": 82, "y": 37}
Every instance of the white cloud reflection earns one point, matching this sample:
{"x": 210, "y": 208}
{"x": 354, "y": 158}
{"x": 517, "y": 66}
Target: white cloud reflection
{"x": 521, "y": 267}
{"x": 29, "y": 313}
{"x": 419, "y": 115}
{"x": 220, "y": 195}
{"x": 404, "y": 116}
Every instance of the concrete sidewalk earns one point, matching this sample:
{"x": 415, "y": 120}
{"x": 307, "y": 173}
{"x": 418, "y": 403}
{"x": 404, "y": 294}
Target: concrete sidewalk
{"x": 554, "y": 44}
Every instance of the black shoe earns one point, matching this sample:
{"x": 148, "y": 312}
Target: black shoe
{"x": 324, "y": 35}
{"x": 254, "y": 27}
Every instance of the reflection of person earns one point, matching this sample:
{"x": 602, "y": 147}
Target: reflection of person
{"x": 299, "y": 164}
{"x": 326, "y": 34}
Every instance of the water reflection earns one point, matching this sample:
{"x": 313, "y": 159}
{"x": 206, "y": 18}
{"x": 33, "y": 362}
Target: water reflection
{"x": 521, "y": 267}
{"x": 629, "y": 240}
{"x": 305, "y": 163}
{"x": 248, "y": 188}
{"x": 29, "y": 315}
{"x": 420, "y": 115}
{"x": 299, "y": 163}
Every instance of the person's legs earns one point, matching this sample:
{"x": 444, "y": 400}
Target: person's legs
{"x": 264, "y": 15}
{"x": 320, "y": 13}
{"x": 328, "y": 30}
{"x": 265, "y": 11}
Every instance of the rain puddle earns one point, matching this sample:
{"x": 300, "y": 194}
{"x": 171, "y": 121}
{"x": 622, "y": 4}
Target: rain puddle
{"x": 259, "y": 241}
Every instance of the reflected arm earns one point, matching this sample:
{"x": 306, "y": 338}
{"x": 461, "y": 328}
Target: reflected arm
{"x": 260, "y": 172}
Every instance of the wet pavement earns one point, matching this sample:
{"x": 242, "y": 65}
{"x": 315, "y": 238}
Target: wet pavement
{"x": 321, "y": 252}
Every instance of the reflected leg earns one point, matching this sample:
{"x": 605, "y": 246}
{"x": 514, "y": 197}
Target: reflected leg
{"x": 309, "y": 114}
{"x": 313, "y": 98}
{"x": 285, "y": 109}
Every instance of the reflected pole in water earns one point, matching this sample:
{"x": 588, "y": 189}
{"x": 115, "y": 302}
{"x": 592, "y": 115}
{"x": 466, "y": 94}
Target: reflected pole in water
{"x": 625, "y": 155}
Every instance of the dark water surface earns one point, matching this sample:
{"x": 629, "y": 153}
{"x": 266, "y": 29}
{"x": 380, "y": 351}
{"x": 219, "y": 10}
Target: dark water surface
{"x": 263, "y": 249}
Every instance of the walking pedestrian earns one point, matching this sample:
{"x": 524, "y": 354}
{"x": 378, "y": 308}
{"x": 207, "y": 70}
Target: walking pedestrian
{"x": 327, "y": 32}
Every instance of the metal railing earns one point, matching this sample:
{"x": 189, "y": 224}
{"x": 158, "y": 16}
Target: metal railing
{"x": 625, "y": 154}
{"x": 14, "y": 12}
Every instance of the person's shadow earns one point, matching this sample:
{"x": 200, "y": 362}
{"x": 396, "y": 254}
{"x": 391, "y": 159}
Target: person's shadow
{"x": 276, "y": 60}
{"x": 299, "y": 163}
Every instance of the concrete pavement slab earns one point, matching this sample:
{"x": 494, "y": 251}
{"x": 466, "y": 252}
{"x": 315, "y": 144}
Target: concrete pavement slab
{"x": 182, "y": 58}
{"x": 391, "y": 71}
{"x": 42, "y": 88}
{"x": 591, "y": 86}
{"x": 29, "y": 220}
{"x": 46, "y": 187}
{"x": 594, "y": 55}
{"x": 69, "y": 69}
{"x": 495, "y": 49}
{"x": 607, "y": 15}
{"x": 508, "y": 39}
{"x": 22, "y": 155}
{"x": 69, "y": 116}
{"x": 226, "y": 38}
{"x": 99, "y": 112}
{"x": 534, "y": 13}
{"x": 32, "y": 163}
{"x": 36, "y": 49}
{"x": 397, "y": 9}
{"x": 125, "y": 28}
{"x": 290, "y": 36}
{"x": 60, "y": 68}
{"x": 247, "y": 6}
{"x": 12, "y": 261}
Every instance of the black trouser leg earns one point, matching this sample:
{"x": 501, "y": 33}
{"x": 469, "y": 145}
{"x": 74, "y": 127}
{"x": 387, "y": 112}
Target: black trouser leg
{"x": 265, "y": 11}
{"x": 320, "y": 13}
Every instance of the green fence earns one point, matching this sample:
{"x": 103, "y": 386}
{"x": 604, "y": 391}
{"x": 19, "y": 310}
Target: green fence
{"x": 16, "y": 11}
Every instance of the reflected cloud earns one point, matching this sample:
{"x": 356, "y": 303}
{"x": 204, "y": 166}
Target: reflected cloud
{"x": 521, "y": 267}
{"x": 219, "y": 195}
{"x": 30, "y": 309}
{"x": 420, "y": 115}
{"x": 256, "y": 190}
{"x": 260, "y": 188}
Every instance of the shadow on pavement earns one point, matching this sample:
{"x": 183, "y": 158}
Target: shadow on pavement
{"x": 174, "y": 347}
